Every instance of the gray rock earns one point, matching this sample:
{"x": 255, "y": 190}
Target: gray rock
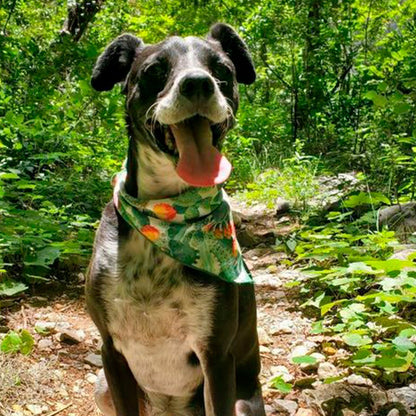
{"x": 4, "y": 329}
{"x": 401, "y": 218}
{"x": 406, "y": 396}
{"x": 393, "y": 412}
{"x": 247, "y": 238}
{"x": 320, "y": 358}
{"x": 327, "y": 370}
{"x": 94, "y": 360}
{"x": 71, "y": 337}
{"x": 304, "y": 382}
{"x": 305, "y": 349}
{"x": 288, "y": 407}
{"x": 282, "y": 371}
{"x": 45, "y": 344}
{"x": 358, "y": 380}
{"x": 284, "y": 327}
{"x": 91, "y": 378}
{"x": 282, "y": 207}
{"x": 333, "y": 399}
{"x": 264, "y": 338}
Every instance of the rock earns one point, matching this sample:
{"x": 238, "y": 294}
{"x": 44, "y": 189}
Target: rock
{"x": 268, "y": 279}
{"x": 327, "y": 370}
{"x": 404, "y": 252}
{"x": 269, "y": 409}
{"x": 39, "y": 301}
{"x": 400, "y": 218}
{"x": 4, "y": 329}
{"x": 306, "y": 412}
{"x": 406, "y": 396}
{"x": 393, "y": 412}
{"x": 264, "y": 338}
{"x": 358, "y": 380}
{"x": 282, "y": 207}
{"x": 81, "y": 277}
{"x": 44, "y": 344}
{"x": 237, "y": 218}
{"x": 284, "y": 327}
{"x": 71, "y": 337}
{"x": 301, "y": 350}
{"x": 34, "y": 409}
{"x": 332, "y": 399}
{"x": 91, "y": 378}
{"x": 247, "y": 238}
{"x": 94, "y": 360}
{"x": 45, "y": 327}
{"x": 288, "y": 407}
{"x": 320, "y": 358}
{"x": 264, "y": 349}
{"x": 304, "y": 382}
{"x": 282, "y": 371}
{"x": 329, "y": 350}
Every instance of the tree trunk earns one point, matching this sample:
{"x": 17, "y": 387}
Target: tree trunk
{"x": 80, "y": 14}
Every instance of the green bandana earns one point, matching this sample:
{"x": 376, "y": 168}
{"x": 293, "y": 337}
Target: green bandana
{"x": 195, "y": 228}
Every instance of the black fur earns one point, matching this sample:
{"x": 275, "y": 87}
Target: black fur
{"x": 237, "y": 51}
{"x": 115, "y": 62}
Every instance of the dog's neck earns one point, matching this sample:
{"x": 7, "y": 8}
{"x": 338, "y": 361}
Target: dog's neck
{"x": 151, "y": 173}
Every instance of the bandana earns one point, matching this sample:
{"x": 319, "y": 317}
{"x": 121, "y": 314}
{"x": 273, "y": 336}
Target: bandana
{"x": 195, "y": 228}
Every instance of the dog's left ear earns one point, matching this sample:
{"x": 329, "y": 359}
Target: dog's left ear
{"x": 236, "y": 50}
{"x": 115, "y": 62}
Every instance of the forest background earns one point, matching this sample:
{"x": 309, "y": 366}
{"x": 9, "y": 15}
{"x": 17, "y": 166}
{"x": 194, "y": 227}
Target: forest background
{"x": 336, "y": 92}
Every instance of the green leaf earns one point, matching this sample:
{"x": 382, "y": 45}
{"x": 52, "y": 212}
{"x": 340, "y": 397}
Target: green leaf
{"x": 356, "y": 340}
{"x": 27, "y": 342}
{"x": 11, "y": 288}
{"x": 402, "y": 108}
{"x": 279, "y": 384}
{"x": 403, "y": 344}
{"x": 391, "y": 363}
{"x": 304, "y": 359}
{"x": 11, "y": 343}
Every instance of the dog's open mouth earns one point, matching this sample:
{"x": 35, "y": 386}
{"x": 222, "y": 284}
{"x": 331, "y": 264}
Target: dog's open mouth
{"x": 200, "y": 163}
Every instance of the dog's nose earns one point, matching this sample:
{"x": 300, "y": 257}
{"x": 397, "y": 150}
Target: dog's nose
{"x": 196, "y": 84}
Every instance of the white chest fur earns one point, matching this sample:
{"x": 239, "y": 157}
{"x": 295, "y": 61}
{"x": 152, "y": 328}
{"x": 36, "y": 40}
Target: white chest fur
{"x": 157, "y": 319}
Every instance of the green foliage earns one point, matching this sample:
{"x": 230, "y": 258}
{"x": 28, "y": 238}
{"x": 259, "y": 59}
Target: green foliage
{"x": 15, "y": 342}
{"x": 360, "y": 293}
{"x": 279, "y": 384}
{"x": 295, "y": 182}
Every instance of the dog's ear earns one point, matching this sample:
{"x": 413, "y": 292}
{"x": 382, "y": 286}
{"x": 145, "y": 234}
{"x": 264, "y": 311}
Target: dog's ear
{"x": 114, "y": 63}
{"x": 236, "y": 50}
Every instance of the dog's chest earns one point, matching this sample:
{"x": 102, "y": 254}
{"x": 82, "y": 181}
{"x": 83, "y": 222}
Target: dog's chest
{"x": 157, "y": 318}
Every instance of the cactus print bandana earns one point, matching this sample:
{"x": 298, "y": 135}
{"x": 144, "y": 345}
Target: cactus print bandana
{"x": 195, "y": 228}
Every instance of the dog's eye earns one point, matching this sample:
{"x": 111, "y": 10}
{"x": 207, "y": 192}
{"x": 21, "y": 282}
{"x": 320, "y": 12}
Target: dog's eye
{"x": 221, "y": 72}
{"x": 157, "y": 71}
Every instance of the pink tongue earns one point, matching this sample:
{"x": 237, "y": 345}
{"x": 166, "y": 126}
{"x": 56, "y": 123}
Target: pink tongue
{"x": 200, "y": 163}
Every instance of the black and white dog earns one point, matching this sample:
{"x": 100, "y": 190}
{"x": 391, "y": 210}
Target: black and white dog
{"x": 176, "y": 342}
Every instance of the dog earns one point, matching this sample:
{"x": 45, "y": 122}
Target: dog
{"x": 177, "y": 341}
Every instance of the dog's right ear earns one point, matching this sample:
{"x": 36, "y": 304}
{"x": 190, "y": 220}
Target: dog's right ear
{"x": 114, "y": 63}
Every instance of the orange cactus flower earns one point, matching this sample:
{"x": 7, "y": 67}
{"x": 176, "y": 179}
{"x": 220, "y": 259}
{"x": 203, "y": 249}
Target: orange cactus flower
{"x": 235, "y": 247}
{"x": 165, "y": 211}
{"x": 228, "y": 230}
{"x": 218, "y": 233}
{"x": 152, "y": 233}
{"x": 207, "y": 228}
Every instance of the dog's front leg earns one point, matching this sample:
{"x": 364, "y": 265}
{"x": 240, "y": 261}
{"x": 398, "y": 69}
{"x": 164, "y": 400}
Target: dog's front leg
{"x": 122, "y": 384}
{"x": 219, "y": 384}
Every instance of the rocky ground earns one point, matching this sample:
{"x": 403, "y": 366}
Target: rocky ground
{"x": 58, "y": 377}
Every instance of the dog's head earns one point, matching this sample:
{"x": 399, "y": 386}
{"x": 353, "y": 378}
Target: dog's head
{"x": 184, "y": 92}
